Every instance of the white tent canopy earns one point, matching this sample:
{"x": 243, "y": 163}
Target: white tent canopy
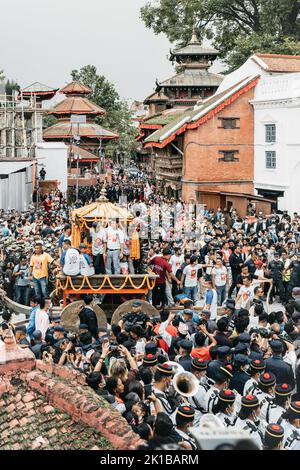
{"x": 15, "y": 185}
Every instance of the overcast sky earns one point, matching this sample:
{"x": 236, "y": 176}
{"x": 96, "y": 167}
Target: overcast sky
{"x": 43, "y": 40}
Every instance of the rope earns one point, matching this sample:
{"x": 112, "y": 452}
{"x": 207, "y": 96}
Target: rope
{"x": 86, "y": 281}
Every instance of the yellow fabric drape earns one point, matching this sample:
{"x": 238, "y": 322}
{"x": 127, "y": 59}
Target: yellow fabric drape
{"x": 76, "y": 236}
{"x": 135, "y": 251}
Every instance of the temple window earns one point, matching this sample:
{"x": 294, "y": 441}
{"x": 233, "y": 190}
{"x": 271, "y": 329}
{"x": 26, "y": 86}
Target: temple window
{"x": 228, "y": 155}
{"x": 229, "y": 123}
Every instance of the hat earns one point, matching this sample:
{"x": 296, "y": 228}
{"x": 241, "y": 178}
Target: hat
{"x": 56, "y": 318}
{"x": 165, "y": 369}
{"x": 258, "y": 365}
{"x": 199, "y": 364}
{"x": 37, "y": 334}
{"x": 189, "y": 312}
{"x": 150, "y": 348}
{"x": 206, "y": 312}
{"x": 244, "y": 338}
{"x": 276, "y": 345}
{"x": 136, "y": 303}
{"x": 241, "y": 348}
{"x": 267, "y": 379}
{"x": 82, "y": 245}
{"x": 83, "y": 326}
{"x": 295, "y": 407}
{"x": 187, "y": 412}
{"x": 283, "y": 390}
{"x": 150, "y": 360}
{"x": 186, "y": 344}
{"x": 227, "y": 371}
{"x": 241, "y": 359}
{"x": 223, "y": 350}
{"x": 249, "y": 401}
{"x": 59, "y": 328}
{"x": 227, "y": 395}
{"x": 275, "y": 430}
{"x": 230, "y": 303}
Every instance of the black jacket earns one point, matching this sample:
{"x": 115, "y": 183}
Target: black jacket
{"x": 87, "y": 316}
{"x": 281, "y": 369}
{"x": 235, "y": 261}
{"x": 238, "y": 381}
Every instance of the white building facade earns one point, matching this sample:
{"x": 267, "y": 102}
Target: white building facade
{"x": 276, "y": 106}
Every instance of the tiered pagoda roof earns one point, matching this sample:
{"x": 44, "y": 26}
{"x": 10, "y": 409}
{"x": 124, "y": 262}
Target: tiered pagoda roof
{"x": 76, "y": 103}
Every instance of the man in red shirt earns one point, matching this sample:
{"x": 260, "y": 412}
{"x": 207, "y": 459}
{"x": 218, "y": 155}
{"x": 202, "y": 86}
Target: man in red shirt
{"x": 201, "y": 351}
{"x": 161, "y": 267}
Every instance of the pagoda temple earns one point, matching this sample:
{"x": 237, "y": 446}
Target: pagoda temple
{"x": 193, "y": 80}
{"x": 192, "y": 84}
{"x": 76, "y": 127}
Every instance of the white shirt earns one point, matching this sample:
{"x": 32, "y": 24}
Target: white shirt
{"x": 246, "y": 294}
{"x": 220, "y": 275}
{"x": 85, "y": 268}
{"x": 191, "y": 272}
{"x": 98, "y": 239}
{"x": 114, "y": 238}
{"x": 42, "y": 321}
{"x": 176, "y": 262}
{"x": 72, "y": 262}
{"x": 213, "y": 304}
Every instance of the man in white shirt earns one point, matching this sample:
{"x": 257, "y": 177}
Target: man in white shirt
{"x": 189, "y": 279}
{"x": 113, "y": 247}
{"x": 245, "y": 294}
{"x": 42, "y": 321}
{"x": 211, "y": 300}
{"x": 70, "y": 259}
{"x": 98, "y": 235}
{"x": 219, "y": 279}
{"x": 176, "y": 260}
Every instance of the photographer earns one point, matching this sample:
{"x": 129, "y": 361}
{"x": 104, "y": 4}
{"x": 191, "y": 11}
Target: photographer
{"x": 87, "y": 315}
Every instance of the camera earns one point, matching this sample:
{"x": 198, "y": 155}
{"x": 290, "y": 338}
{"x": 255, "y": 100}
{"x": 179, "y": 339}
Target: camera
{"x": 266, "y": 334}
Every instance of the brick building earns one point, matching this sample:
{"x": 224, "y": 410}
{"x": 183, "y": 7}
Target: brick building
{"x": 209, "y": 148}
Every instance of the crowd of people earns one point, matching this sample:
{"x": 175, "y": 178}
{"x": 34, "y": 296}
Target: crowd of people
{"x": 222, "y": 351}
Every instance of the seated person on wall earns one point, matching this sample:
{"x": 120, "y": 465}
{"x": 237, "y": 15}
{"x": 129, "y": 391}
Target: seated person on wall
{"x": 135, "y": 317}
{"x": 70, "y": 259}
{"x": 86, "y": 265}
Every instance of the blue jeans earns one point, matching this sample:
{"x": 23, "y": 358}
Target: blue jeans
{"x": 40, "y": 286}
{"x": 22, "y": 295}
{"x": 113, "y": 259}
{"x": 221, "y": 291}
{"x": 191, "y": 292}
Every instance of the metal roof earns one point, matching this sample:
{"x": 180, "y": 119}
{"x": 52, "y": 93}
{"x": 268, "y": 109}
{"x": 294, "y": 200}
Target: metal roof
{"x": 65, "y": 130}
{"x": 7, "y": 168}
{"x": 37, "y": 87}
{"x": 194, "y": 77}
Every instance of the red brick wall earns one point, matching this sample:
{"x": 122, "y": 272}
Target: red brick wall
{"x": 202, "y": 159}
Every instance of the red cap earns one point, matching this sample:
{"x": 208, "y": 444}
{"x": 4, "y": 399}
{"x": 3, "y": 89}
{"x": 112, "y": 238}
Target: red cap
{"x": 284, "y": 386}
{"x": 227, "y": 392}
{"x": 266, "y": 376}
{"x": 249, "y": 397}
{"x": 275, "y": 427}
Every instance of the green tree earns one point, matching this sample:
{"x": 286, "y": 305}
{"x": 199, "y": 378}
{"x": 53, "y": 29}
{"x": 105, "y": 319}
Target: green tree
{"x": 236, "y": 27}
{"x": 118, "y": 117}
{"x": 11, "y": 86}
